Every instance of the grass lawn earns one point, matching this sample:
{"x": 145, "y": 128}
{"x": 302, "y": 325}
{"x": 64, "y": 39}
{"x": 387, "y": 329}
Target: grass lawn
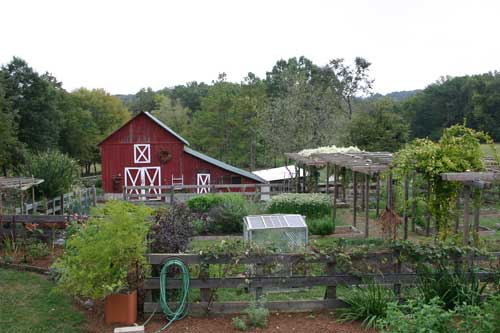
{"x": 487, "y": 149}
{"x": 27, "y": 304}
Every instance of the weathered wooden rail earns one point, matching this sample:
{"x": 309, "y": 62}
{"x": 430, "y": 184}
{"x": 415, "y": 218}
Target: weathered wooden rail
{"x": 394, "y": 275}
{"x": 168, "y": 193}
{"x": 58, "y": 204}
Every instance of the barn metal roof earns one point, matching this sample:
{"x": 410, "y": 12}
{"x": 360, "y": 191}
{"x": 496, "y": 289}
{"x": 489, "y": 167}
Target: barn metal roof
{"x": 168, "y": 129}
{"x": 223, "y": 165}
{"x": 273, "y": 174}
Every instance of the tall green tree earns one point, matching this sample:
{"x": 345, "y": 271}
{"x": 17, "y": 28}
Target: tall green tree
{"x": 145, "y": 101}
{"x": 380, "y": 128}
{"x": 33, "y": 101}
{"x": 173, "y": 114}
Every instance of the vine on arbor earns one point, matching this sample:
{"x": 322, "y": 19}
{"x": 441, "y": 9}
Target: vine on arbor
{"x": 458, "y": 150}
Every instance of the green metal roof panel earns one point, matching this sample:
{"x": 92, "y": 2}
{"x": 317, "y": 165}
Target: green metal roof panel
{"x": 223, "y": 165}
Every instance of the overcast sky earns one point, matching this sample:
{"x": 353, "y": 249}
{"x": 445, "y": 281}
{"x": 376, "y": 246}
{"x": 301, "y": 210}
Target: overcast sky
{"x": 122, "y": 46}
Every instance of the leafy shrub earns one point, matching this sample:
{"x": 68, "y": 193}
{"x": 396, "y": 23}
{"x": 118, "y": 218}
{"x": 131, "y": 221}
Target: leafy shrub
{"x": 477, "y": 319}
{"x": 99, "y": 256}
{"x": 37, "y": 250}
{"x": 321, "y": 226}
{"x": 203, "y": 203}
{"x": 199, "y": 227}
{"x": 452, "y": 288}
{"x": 172, "y": 228}
{"x": 227, "y": 217}
{"x": 417, "y": 316}
{"x": 257, "y": 314}
{"x": 368, "y": 304}
{"x": 308, "y": 204}
{"x": 58, "y": 170}
{"x": 239, "y": 324}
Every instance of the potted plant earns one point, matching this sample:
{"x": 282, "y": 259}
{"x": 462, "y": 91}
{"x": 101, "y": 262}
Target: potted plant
{"x": 100, "y": 257}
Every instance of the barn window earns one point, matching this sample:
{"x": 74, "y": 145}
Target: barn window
{"x": 235, "y": 179}
{"x": 142, "y": 153}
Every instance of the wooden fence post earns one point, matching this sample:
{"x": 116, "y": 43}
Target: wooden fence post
{"x": 62, "y": 204}
{"x": 172, "y": 194}
{"x": 466, "y": 215}
{"x": 204, "y": 275}
{"x": 94, "y": 196}
{"x": 331, "y": 291}
{"x": 397, "y": 270}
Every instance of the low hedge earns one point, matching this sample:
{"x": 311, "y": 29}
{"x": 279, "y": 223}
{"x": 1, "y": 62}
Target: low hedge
{"x": 203, "y": 203}
{"x": 321, "y": 226}
{"x": 311, "y": 205}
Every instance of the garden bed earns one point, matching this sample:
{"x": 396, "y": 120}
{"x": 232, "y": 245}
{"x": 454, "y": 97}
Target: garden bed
{"x": 483, "y": 231}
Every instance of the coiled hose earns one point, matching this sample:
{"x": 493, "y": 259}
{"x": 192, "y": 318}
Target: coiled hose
{"x": 182, "y": 310}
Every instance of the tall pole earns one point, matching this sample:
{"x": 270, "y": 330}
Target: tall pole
{"x": 355, "y": 199}
{"x": 335, "y": 193}
{"x": 405, "y": 209}
{"x": 428, "y": 217}
{"x": 378, "y": 195}
{"x": 413, "y": 204}
{"x": 327, "y": 190}
{"x": 367, "y": 197}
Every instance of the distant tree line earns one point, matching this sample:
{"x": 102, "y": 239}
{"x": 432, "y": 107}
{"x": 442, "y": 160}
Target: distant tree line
{"x": 250, "y": 124}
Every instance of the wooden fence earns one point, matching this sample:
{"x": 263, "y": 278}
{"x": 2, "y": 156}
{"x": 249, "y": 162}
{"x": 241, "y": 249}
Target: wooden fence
{"x": 167, "y": 193}
{"x": 86, "y": 196}
{"x": 396, "y": 274}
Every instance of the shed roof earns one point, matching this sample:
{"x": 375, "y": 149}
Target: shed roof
{"x": 284, "y": 172}
{"x": 223, "y": 165}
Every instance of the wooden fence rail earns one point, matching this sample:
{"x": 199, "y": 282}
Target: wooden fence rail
{"x": 168, "y": 193}
{"x": 57, "y": 205}
{"x": 257, "y": 282}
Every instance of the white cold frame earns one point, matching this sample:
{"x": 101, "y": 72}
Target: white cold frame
{"x": 142, "y": 153}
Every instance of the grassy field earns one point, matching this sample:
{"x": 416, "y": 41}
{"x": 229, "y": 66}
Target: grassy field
{"x": 487, "y": 149}
{"x": 28, "y": 304}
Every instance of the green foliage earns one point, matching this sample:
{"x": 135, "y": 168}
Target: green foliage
{"x": 257, "y": 314}
{"x": 321, "y": 226}
{"x": 99, "y": 257}
{"x": 239, "y": 324}
{"x": 416, "y": 316}
{"x": 59, "y": 172}
{"x": 368, "y": 304}
{"x": 37, "y": 250}
{"x": 480, "y": 319}
{"x": 203, "y": 203}
{"x": 458, "y": 150}
{"x": 171, "y": 112}
{"x": 308, "y": 204}
{"x": 381, "y": 128}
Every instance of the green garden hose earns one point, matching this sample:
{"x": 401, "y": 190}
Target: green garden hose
{"x": 182, "y": 310}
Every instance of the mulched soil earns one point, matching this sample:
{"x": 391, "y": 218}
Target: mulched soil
{"x": 278, "y": 322}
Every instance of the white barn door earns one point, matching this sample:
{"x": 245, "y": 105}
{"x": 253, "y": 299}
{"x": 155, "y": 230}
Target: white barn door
{"x": 203, "y": 182}
{"x": 147, "y": 176}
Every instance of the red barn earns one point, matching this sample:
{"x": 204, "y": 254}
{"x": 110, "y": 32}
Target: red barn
{"x": 146, "y": 152}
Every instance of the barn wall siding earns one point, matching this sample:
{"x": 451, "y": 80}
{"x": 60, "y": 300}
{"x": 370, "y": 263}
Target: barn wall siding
{"x": 117, "y": 153}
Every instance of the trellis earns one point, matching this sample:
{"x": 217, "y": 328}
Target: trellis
{"x": 20, "y": 184}
{"x": 367, "y": 164}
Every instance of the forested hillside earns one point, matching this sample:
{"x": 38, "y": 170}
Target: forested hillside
{"x": 297, "y": 105}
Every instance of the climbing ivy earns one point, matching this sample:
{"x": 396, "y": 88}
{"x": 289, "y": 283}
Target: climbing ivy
{"x": 458, "y": 150}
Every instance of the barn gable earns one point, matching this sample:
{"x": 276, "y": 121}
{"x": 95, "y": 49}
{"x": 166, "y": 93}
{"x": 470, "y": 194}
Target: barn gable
{"x": 138, "y": 129}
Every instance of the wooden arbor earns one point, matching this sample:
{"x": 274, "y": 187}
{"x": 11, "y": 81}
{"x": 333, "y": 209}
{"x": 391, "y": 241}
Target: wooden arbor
{"x": 367, "y": 164}
{"x": 20, "y": 184}
{"x": 470, "y": 180}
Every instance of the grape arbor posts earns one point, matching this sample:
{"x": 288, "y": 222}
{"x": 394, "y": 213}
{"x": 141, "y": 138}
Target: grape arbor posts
{"x": 364, "y": 166}
{"x": 470, "y": 180}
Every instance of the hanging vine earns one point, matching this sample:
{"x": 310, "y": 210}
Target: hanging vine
{"x": 458, "y": 150}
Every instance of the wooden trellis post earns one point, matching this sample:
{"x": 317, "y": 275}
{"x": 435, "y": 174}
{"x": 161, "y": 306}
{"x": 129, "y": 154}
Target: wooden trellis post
{"x": 428, "y": 217}
{"x": 355, "y": 198}
{"x": 367, "y": 206}
{"x": 335, "y": 192}
{"x": 327, "y": 190}
{"x": 378, "y": 194}
{"x": 405, "y": 209}
{"x": 413, "y": 204}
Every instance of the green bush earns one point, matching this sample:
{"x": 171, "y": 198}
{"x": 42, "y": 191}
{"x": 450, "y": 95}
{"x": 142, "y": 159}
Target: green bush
{"x": 37, "y": 250}
{"x": 257, "y": 314}
{"x": 368, "y": 304}
{"x": 58, "y": 170}
{"x": 308, "y": 204}
{"x": 225, "y": 212}
{"x": 417, "y": 316}
{"x": 100, "y": 255}
{"x": 239, "y": 324}
{"x": 321, "y": 226}
{"x": 203, "y": 203}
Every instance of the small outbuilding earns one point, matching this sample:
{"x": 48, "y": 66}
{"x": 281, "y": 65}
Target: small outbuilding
{"x": 145, "y": 152}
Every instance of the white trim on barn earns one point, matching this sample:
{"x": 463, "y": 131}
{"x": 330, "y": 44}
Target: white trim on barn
{"x": 142, "y": 153}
